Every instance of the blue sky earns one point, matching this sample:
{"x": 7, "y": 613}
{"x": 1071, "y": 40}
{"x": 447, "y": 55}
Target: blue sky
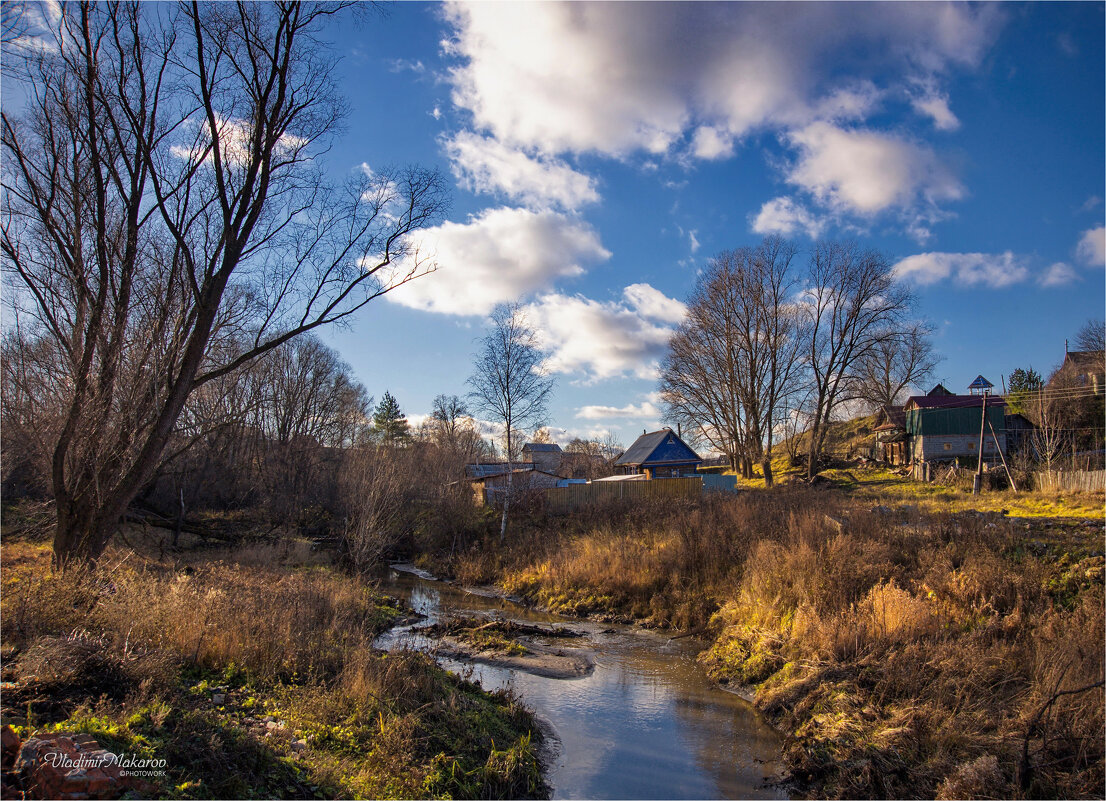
{"x": 601, "y": 154}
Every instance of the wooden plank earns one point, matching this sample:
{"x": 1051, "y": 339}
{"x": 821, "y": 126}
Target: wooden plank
{"x": 562, "y": 500}
{"x": 1070, "y": 480}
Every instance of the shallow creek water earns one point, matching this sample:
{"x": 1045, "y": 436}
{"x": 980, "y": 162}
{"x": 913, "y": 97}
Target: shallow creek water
{"x": 645, "y": 723}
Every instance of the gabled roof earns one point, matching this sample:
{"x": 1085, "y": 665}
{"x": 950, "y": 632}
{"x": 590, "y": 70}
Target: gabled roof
{"x": 475, "y": 471}
{"x": 938, "y": 390}
{"x": 542, "y": 447}
{"x": 1084, "y": 359}
{"x": 893, "y": 417}
{"x": 951, "y": 401}
{"x": 980, "y": 383}
{"x": 528, "y": 471}
{"x": 658, "y": 447}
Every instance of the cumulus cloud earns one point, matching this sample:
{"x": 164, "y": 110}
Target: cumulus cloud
{"x": 782, "y": 215}
{"x": 604, "y": 340}
{"x": 710, "y": 143}
{"x": 968, "y": 269}
{"x": 865, "y": 171}
{"x": 546, "y": 79}
{"x": 935, "y": 105}
{"x": 484, "y": 165}
{"x": 1091, "y": 249}
{"x": 643, "y": 409}
{"x": 234, "y": 139}
{"x": 599, "y": 77}
{"x": 654, "y": 304}
{"x": 497, "y": 256}
{"x": 1058, "y": 274}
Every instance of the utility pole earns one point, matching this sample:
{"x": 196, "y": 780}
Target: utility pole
{"x": 977, "y": 482}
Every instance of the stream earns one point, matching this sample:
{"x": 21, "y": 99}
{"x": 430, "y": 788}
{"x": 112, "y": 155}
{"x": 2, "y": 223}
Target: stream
{"x": 644, "y": 723}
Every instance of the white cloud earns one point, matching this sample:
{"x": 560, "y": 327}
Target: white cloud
{"x": 654, "y": 304}
{"x": 782, "y": 215}
{"x": 497, "y": 256}
{"x": 234, "y": 138}
{"x": 866, "y": 172}
{"x": 603, "y": 340}
{"x": 693, "y": 240}
{"x": 935, "y": 105}
{"x": 1058, "y": 274}
{"x": 1091, "y": 249}
{"x": 615, "y": 79}
{"x": 404, "y": 64}
{"x": 710, "y": 143}
{"x": 644, "y": 409}
{"x": 969, "y": 269}
{"x": 484, "y": 165}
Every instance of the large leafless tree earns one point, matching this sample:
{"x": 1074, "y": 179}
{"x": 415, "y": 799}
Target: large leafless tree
{"x": 851, "y": 304}
{"x": 734, "y": 361}
{"x": 509, "y": 384}
{"x": 167, "y": 219}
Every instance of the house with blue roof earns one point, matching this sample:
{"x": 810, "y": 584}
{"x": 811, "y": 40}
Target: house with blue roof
{"x": 659, "y": 454}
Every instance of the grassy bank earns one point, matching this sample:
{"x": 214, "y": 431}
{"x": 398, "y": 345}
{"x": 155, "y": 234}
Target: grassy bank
{"x": 907, "y": 652}
{"x": 252, "y": 678}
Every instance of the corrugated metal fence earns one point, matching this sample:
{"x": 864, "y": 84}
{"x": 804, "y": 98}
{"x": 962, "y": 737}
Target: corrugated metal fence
{"x": 567, "y": 499}
{"x": 1071, "y": 480}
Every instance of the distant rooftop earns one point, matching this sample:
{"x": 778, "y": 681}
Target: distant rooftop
{"x": 476, "y": 471}
{"x": 542, "y": 447}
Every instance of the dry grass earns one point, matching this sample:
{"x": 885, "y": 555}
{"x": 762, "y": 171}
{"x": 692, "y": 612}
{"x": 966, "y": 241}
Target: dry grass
{"x": 909, "y": 653}
{"x": 183, "y": 661}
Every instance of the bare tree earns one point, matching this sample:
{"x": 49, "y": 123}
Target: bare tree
{"x": 449, "y": 415}
{"x": 1092, "y": 336}
{"x": 542, "y": 436}
{"x": 377, "y": 483}
{"x": 851, "y": 303}
{"x": 734, "y": 361}
{"x": 14, "y": 22}
{"x": 1051, "y": 411}
{"x": 509, "y": 384}
{"x": 701, "y": 375}
{"x": 895, "y": 362}
{"x": 168, "y": 220}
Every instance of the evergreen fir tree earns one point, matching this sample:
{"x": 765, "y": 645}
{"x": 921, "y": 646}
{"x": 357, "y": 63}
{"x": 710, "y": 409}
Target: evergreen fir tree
{"x": 389, "y": 424}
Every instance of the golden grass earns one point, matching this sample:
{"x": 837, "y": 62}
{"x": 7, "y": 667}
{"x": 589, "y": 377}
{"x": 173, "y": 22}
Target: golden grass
{"x": 908, "y": 648}
{"x": 183, "y": 661}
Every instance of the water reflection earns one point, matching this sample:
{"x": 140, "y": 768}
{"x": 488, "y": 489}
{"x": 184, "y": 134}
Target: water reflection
{"x": 645, "y": 723}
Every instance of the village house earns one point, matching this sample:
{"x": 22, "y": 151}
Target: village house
{"x": 545, "y": 456}
{"x": 891, "y": 436}
{"x": 492, "y": 489}
{"x": 484, "y": 470}
{"x": 945, "y": 428}
{"x": 1082, "y": 368}
{"x": 658, "y": 454}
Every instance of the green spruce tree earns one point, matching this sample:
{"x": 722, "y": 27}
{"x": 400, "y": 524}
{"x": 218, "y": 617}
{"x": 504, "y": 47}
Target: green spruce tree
{"x": 1023, "y": 383}
{"x": 389, "y": 424}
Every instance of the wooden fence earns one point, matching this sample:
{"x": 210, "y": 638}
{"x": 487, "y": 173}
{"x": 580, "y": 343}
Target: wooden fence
{"x": 563, "y": 500}
{"x": 1070, "y": 480}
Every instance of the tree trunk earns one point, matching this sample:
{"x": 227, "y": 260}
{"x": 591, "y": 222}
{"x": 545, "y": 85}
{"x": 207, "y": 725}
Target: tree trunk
{"x": 812, "y": 451}
{"x": 507, "y": 495}
{"x": 80, "y": 536}
{"x": 506, "y": 503}
{"x": 766, "y": 466}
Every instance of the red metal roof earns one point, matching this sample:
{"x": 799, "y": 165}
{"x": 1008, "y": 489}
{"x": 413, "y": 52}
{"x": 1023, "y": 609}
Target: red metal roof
{"x": 951, "y": 401}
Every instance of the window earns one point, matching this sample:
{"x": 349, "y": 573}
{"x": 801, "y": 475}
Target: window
{"x": 948, "y": 446}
